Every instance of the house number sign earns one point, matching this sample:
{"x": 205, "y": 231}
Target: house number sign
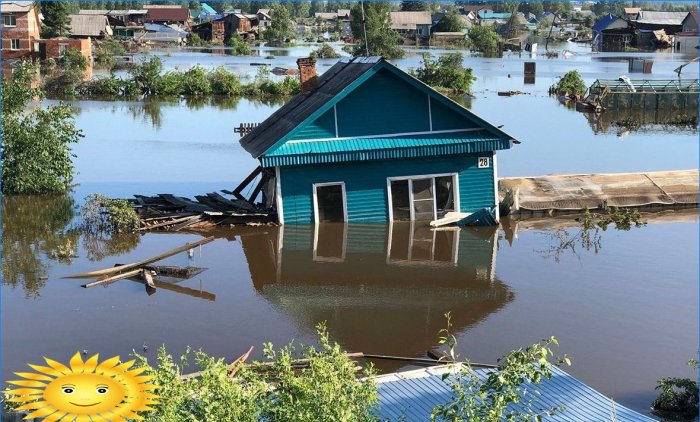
{"x": 484, "y": 162}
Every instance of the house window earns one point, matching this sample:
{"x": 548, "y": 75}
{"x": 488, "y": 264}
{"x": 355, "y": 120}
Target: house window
{"x": 62, "y": 48}
{"x": 330, "y": 202}
{"x": 422, "y": 198}
{"x": 9, "y": 20}
{"x": 15, "y": 44}
{"x": 411, "y": 243}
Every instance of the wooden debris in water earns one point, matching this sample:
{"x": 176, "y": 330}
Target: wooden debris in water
{"x": 113, "y": 270}
{"x": 106, "y": 280}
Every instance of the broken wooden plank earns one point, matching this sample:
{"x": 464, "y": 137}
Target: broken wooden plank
{"x": 108, "y": 271}
{"x": 148, "y": 278}
{"x": 121, "y": 276}
{"x": 167, "y": 223}
{"x": 192, "y": 220}
{"x": 172, "y": 270}
{"x": 187, "y": 203}
{"x": 237, "y": 204}
{"x": 258, "y": 188}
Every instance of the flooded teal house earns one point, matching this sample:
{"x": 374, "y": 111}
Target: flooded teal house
{"x": 366, "y": 142}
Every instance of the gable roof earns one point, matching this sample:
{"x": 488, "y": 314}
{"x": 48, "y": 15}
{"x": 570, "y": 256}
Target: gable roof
{"x": 16, "y": 6}
{"x": 332, "y": 86}
{"x": 693, "y": 14}
{"x": 89, "y": 25}
{"x": 409, "y": 20}
{"x": 661, "y": 18}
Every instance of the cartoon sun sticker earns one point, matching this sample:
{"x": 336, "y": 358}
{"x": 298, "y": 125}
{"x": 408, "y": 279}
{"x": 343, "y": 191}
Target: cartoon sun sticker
{"x": 87, "y": 391}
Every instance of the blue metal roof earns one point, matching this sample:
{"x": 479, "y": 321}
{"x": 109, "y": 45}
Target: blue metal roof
{"x": 362, "y": 149}
{"x": 494, "y": 15}
{"x": 413, "y": 395}
{"x": 604, "y": 22}
{"x": 210, "y": 10}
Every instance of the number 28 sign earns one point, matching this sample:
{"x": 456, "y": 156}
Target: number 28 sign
{"x": 484, "y": 162}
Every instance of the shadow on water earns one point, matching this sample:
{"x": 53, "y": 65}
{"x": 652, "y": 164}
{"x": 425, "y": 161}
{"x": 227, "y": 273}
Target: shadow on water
{"x": 37, "y": 230}
{"x": 381, "y": 289}
{"x": 623, "y": 121}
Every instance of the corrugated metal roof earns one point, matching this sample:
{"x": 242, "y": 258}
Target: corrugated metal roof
{"x": 301, "y": 106}
{"x": 413, "y": 395}
{"x": 494, "y": 15}
{"x": 89, "y": 25}
{"x": 409, "y": 20}
{"x": 16, "y": 6}
{"x": 604, "y": 22}
{"x": 661, "y": 18}
{"x": 364, "y": 149}
{"x": 164, "y": 14}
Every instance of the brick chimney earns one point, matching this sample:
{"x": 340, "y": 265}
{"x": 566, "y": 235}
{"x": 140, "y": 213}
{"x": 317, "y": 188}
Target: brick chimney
{"x": 307, "y": 72}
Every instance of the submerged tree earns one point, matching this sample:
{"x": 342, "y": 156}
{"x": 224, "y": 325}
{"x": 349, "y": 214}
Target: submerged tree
{"x": 280, "y": 28}
{"x": 36, "y": 146}
{"x": 371, "y": 28}
{"x": 446, "y": 73}
{"x": 483, "y": 39}
{"x": 451, "y": 22}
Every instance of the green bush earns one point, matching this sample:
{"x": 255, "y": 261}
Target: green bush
{"x": 105, "y": 52}
{"x": 36, "y": 144}
{"x": 194, "y": 40}
{"x": 105, "y": 215}
{"x": 678, "y": 398}
{"x": 108, "y": 86}
{"x": 170, "y": 84}
{"x": 446, "y": 73}
{"x": 195, "y": 82}
{"x": 570, "y": 84}
{"x": 68, "y": 76}
{"x": 325, "y": 51}
{"x": 477, "y": 399}
{"x": 238, "y": 46}
{"x": 327, "y": 390}
{"x": 483, "y": 39}
{"x": 147, "y": 75}
{"x": 224, "y": 82}
{"x": 286, "y": 87}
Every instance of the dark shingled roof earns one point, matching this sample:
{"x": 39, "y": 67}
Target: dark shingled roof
{"x": 301, "y": 106}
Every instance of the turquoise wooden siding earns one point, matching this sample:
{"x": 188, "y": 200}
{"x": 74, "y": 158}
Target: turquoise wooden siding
{"x": 445, "y": 118}
{"x": 365, "y": 185}
{"x": 323, "y": 127}
{"x": 383, "y": 104}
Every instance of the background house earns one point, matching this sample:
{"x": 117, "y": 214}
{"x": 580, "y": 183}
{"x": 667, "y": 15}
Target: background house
{"x": 611, "y": 33}
{"x": 686, "y": 41}
{"x": 20, "y": 28}
{"x": 264, "y": 19}
{"x": 86, "y": 26}
{"x": 412, "y": 24}
{"x": 165, "y": 15}
{"x": 366, "y": 142}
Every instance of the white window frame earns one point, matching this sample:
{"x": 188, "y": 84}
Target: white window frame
{"x": 9, "y": 25}
{"x": 345, "y": 199}
{"x": 318, "y": 258}
{"x": 12, "y": 44}
{"x": 64, "y": 47}
{"x": 455, "y": 192}
{"x": 409, "y": 260}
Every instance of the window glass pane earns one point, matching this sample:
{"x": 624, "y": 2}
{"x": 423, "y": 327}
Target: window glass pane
{"x": 422, "y": 199}
{"x": 422, "y": 246}
{"x": 399, "y": 200}
{"x": 330, "y": 203}
{"x": 444, "y": 195}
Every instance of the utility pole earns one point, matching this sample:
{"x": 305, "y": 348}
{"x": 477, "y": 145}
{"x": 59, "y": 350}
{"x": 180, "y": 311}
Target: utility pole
{"x": 364, "y": 27}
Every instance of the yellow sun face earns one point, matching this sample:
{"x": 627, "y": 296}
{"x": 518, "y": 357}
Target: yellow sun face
{"x": 108, "y": 391}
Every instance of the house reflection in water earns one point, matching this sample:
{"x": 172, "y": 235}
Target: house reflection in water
{"x": 382, "y": 289}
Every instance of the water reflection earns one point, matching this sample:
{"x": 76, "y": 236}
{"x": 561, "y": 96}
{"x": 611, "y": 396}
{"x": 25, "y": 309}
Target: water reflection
{"x": 380, "y": 288}
{"x": 623, "y": 121}
{"x": 35, "y": 228}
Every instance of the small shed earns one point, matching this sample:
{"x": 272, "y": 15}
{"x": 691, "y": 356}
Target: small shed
{"x": 367, "y": 142}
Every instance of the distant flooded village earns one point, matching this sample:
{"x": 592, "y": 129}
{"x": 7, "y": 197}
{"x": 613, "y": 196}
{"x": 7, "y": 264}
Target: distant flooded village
{"x": 411, "y": 210}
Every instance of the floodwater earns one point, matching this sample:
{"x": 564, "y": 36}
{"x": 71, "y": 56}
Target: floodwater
{"x": 624, "y": 307}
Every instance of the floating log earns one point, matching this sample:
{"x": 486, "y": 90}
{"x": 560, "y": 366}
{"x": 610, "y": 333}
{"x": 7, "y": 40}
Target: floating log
{"x": 108, "y": 271}
{"x": 121, "y": 276}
